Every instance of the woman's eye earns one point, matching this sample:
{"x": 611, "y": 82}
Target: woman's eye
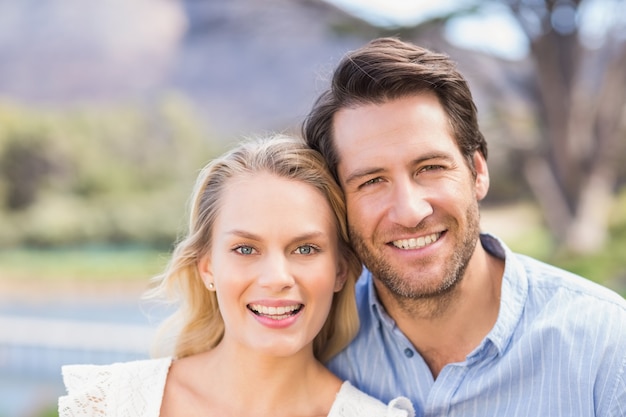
{"x": 244, "y": 250}
{"x": 305, "y": 249}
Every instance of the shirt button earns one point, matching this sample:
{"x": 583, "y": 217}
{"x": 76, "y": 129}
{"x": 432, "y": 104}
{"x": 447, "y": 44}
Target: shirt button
{"x": 408, "y": 353}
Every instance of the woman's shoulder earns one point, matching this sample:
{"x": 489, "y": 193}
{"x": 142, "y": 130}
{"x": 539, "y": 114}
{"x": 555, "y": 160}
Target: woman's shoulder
{"x": 95, "y": 390}
{"x": 352, "y": 402}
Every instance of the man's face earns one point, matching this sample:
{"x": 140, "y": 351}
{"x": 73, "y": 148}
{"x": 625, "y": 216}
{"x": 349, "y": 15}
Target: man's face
{"x": 412, "y": 200}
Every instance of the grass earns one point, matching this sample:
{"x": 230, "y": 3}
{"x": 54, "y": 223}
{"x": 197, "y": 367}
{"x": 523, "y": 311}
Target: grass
{"x": 92, "y": 263}
{"x": 607, "y": 267}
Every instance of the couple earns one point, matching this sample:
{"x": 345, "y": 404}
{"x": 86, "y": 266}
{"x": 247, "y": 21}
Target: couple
{"x": 450, "y": 321}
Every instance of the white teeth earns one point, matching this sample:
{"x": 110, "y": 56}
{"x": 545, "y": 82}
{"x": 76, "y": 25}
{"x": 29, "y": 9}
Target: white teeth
{"x": 274, "y": 312}
{"x": 413, "y": 243}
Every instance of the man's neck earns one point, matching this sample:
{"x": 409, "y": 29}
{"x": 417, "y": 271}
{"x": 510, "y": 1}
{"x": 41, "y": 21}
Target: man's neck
{"x": 446, "y": 328}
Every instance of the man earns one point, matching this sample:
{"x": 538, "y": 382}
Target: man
{"x": 450, "y": 317}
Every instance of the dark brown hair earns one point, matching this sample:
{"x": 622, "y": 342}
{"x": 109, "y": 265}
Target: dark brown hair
{"x": 387, "y": 69}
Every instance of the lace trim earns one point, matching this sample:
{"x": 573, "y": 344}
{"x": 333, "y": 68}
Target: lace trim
{"x": 127, "y": 389}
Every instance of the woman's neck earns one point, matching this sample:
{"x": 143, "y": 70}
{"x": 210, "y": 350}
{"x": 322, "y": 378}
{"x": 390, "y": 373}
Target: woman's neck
{"x": 231, "y": 381}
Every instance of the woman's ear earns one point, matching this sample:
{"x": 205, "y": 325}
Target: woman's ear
{"x": 204, "y": 268}
{"x": 342, "y": 274}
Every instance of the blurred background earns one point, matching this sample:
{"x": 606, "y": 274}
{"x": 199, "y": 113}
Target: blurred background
{"x": 109, "y": 108}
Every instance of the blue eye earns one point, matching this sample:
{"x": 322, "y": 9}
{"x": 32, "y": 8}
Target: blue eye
{"x": 244, "y": 250}
{"x": 305, "y": 249}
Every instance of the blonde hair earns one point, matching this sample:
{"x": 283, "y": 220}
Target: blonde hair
{"x": 197, "y": 325}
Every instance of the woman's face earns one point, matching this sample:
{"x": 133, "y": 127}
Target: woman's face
{"x": 274, "y": 262}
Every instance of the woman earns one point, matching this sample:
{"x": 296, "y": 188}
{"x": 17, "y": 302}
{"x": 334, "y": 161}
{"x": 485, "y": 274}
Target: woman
{"x": 265, "y": 283}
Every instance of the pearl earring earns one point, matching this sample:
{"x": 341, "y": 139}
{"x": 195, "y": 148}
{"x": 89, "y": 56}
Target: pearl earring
{"x": 211, "y": 285}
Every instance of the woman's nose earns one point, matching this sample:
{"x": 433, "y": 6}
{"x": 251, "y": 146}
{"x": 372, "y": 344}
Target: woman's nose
{"x": 276, "y": 274}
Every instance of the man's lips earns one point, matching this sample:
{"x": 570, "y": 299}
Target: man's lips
{"x": 418, "y": 242}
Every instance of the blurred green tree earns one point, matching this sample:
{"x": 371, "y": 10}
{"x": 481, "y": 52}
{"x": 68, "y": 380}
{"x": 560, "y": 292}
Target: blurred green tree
{"x": 24, "y": 165}
{"x": 101, "y": 174}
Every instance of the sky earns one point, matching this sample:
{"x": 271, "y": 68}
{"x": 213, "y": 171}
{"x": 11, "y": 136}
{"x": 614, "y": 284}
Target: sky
{"x": 495, "y": 32}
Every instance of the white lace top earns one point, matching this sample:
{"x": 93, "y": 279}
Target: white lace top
{"x": 135, "y": 389}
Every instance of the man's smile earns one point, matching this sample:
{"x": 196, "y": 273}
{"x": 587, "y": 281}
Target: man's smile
{"x": 416, "y": 243}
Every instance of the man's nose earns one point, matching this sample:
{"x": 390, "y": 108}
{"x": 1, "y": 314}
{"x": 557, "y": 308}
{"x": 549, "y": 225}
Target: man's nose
{"x": 409, "y": 205}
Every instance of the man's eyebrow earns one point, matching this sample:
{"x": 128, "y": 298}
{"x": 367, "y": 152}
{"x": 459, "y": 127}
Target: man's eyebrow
{"x": 360, "y": 173}
{"x": 431, "y": 156}
{"x": 366, "y": 172}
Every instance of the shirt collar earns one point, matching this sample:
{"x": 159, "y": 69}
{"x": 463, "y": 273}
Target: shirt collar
{"x": 514, "y": 293}
{"x": 377, "y": 309}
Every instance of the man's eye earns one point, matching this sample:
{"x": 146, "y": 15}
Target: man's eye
{"x": 372, "y": 181}
{"x": 306, "y": 249}
{"x": 245, "y": 250}
{"x": 431, "y": 168}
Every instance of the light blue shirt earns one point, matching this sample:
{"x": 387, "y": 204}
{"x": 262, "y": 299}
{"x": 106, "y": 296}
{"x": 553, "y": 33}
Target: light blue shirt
{"x": 558, "y": 348}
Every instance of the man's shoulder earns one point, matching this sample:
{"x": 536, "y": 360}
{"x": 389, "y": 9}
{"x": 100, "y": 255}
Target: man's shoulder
{"x": 574, "y": 308}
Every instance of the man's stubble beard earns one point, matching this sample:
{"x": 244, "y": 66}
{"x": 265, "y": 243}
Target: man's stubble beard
{"x": 419, "y": 300}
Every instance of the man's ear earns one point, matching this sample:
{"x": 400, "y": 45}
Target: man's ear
{"x": 342, "y": 274}
{"x": 482, "y": 175}
{"x": 206, "y": 273}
